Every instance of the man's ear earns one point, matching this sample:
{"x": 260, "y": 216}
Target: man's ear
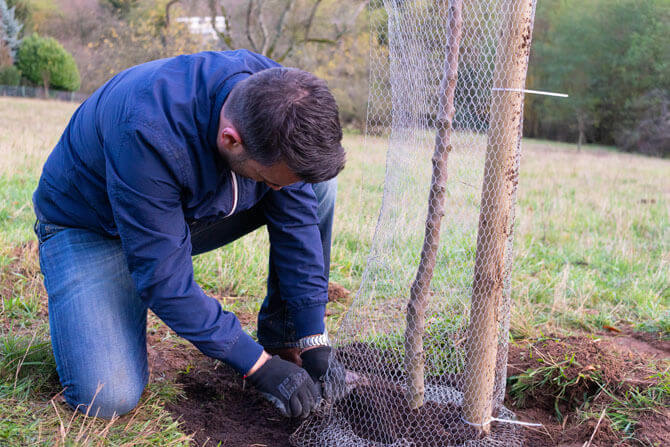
{"x": 230, "y": 140}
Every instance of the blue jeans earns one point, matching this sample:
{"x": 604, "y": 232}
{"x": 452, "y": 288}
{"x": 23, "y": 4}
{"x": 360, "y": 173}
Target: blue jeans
{"x": 98, "y": 321}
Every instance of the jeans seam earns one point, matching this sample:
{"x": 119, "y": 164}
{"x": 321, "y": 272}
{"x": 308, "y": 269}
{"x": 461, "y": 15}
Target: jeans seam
{"x": 57, "y": 343}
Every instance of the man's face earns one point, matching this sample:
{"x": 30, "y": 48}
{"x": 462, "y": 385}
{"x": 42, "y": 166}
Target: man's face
{"x": 276, "y": 176}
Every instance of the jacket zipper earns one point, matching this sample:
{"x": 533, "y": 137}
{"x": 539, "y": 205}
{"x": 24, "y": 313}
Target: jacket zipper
{"x": 234, "y": 177}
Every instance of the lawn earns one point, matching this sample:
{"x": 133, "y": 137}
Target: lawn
{"x": 592, "y": 252}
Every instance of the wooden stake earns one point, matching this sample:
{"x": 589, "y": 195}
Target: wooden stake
{"x": 416, "y": 308}
{"x": 500, "y": 179}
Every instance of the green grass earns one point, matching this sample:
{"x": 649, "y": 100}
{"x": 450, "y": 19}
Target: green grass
{"x": 592, "y": 248}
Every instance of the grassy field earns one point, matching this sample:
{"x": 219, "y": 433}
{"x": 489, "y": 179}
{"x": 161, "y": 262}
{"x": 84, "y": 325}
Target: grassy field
{"x": 592, "y": 250}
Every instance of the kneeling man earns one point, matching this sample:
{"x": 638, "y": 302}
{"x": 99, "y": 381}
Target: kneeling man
{"x": 170, "y": 159}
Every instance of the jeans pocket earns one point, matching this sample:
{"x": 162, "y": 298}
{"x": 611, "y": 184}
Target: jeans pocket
{"x": 45, "y": 230}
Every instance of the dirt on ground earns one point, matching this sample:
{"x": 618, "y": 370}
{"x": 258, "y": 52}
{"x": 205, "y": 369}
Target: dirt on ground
{"x": 217, "y": 407}
{"x": 337, "y": 293}
{"x": 23, "y": 265}
{"x": 590, "y": 375}
{"x": 366, "y": 405}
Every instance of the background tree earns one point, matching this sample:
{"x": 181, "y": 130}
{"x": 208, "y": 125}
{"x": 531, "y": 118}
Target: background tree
{"x": 281, "y": 29}
{"x": 120, "y": 7}
{"x": 44, "y": 60}
{"x": 35, "y": 14}
{"x": 9, "y": 28}
{"x": 606, "y": 54}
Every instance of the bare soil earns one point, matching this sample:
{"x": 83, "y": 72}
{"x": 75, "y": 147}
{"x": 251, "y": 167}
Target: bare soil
{"x": 216, "y": 407}
{"x": 336, "y": 292}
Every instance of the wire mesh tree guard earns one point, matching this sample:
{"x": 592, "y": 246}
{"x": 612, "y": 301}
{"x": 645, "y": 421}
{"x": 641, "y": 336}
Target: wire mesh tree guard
{"x": 426, "y": 348}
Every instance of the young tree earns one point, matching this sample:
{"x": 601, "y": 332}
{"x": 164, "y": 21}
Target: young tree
{"x": 419, "y": 292}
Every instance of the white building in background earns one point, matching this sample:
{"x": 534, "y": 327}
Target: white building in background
{"x": 203, "y": 25}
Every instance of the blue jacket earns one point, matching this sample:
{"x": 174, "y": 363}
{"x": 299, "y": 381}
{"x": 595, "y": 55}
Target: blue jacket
{"x": 138, "y": 161}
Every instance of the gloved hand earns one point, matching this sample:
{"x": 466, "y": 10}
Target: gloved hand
{"x": 287, "y": 386}
{"x": 326, "y": 370}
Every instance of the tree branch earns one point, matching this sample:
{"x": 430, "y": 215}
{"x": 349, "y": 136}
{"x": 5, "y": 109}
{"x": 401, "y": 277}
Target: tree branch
{"x": 419, "y": 292}
{"x": 249, "y": 38}
{"x": 280, "y": 25}
{"x": 224, "y": 35}
{"x": 168, "y": 5}
{"x": 287, "y": 52}
{"x": 310, "y": 19}
{"x": 323, "y": 40}
{"x": 264, "y": 30}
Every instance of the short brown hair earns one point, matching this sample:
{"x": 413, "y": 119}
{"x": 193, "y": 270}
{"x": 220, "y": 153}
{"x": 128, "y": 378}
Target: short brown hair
{"x": 288, "y": 114}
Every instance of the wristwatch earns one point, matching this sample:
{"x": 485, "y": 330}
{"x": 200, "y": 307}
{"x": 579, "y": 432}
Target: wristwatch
{"x": 314, "y": 340}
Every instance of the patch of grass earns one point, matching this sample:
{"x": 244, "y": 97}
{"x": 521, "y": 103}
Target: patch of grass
{"x": 587, "y": 381}
{"x": 166, "y": 390}
{"x": 54, "y": 424}
{"x": 31, "y": 417}
{"x": 443, "y": 342}
{"x": 27, "y": 366}
{"x": 624, "y": 412}
{"x": 21, "y": 308}
{"x": 21, "y": 288}
{"x": 554, "y": 381}
{"x": 16, "y": 208}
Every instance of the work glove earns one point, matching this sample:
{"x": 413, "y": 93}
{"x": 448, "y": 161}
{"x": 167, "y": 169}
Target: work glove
{"x": 287, "y": 386}
{"x": 325, "y": 370}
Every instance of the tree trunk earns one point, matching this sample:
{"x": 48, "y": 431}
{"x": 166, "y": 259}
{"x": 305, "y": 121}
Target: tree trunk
{"x": 580, "y": 126}
{"x": 45, "y": 81}
{"x": 500, "y": 180}
{"x": 416, "y": 308}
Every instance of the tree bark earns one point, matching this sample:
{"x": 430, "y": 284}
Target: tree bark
{"x": 500, "y": 180}
{"x": 46, "y": 78}
{"x": 416, "y": 308}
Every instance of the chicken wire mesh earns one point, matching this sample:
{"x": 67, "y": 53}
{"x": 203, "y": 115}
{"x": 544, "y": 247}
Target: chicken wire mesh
{"x": 426, "y": 360}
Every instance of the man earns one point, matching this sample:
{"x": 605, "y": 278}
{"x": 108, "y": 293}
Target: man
{"x": 170, "y": 159}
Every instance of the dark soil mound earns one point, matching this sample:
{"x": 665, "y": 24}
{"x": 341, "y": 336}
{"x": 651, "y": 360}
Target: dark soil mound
{"x": 562, "y": 374}
{"x": 337, "y": 292}
{"x": 431, "y": 425}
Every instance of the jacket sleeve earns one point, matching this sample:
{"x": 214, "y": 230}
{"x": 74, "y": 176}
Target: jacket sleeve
{"x": 143, "y": 185}
{"x": 297, "y": 255}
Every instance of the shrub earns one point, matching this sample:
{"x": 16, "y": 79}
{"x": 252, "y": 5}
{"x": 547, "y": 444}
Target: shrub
{"x": 44, "y": 60}
{"x": 10, "y": 75}
{"x": 647, "y": 128}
